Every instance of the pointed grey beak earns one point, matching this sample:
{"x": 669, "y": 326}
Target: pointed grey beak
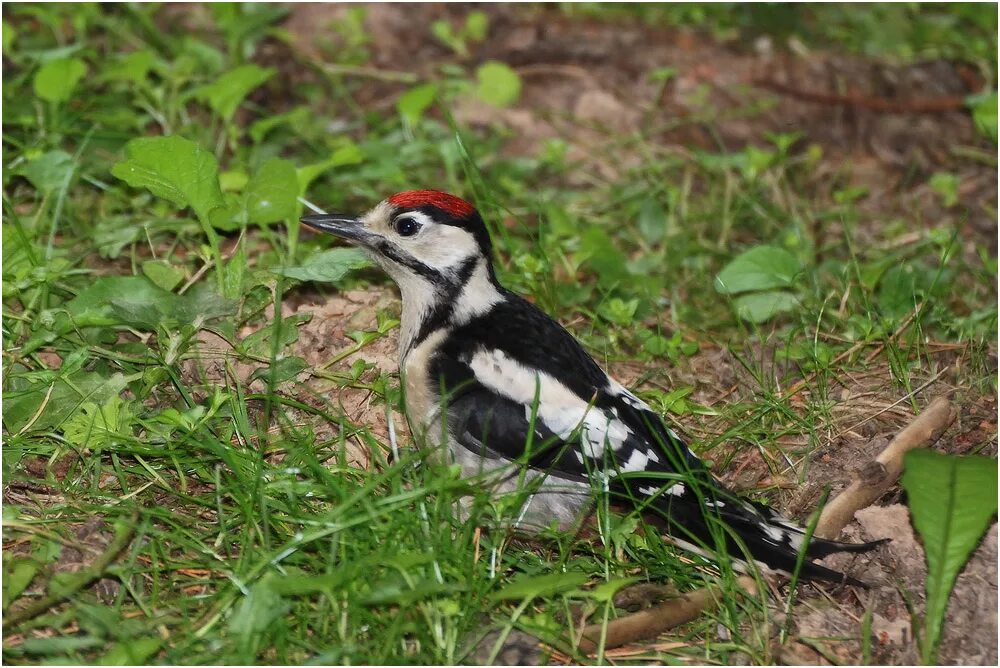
{"x": 339, "y": 224}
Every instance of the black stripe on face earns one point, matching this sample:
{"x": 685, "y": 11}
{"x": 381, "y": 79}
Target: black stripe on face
{"x": 444, "y": 306}
{"x": 401, "y": 257}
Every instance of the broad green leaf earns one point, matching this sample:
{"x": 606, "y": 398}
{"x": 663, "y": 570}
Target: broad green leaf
{"x": 56, "y": 400}
{"x": 133, "y": 301}
{"x": 295, "y": 118}
{"x": 131, "y": 652}
{"x": 163, "y": 274}
{"x": 271, "y": 193}
{"x": 652, "y": 220}
{"x": 395, "y": 591}
{"x": 441, "y": 29}
{"x": 202, "y": 304}
{"x": 196, "y": 56}
{"x": 477, "y": 26}
{"x": 9, "y": 35}
{"x": 233, "y": 181}
{"x": 952, "y": 502}
{"x": 984, "y": 114}
{"x": 899, "y": 290}
{"x": 17, "y": 575}
{"x": 287, "y": 368}
{"x": 59, "y": 645}
{"x": 326, "y": 267}
{"x": 97, "y": 426}
{"x": 606, "y": 591}
{"x": 497, "y": 84}
{"x": 49, "y": 172}
{"x": 603, "y": 256}
{"x": 945, "y": 184}
{"x": 256, "y": 612}
{"x": 274, "y": 338}
{"x": 56, "y": 79}
{"x": 226, "y": 93}
{"x": 762, "y": 306}
{"x": 128, "y": 300}
{"x": 760, "y": 268}
{"x": 347, "y": 154}
{"x": 618, "y": 311}
{"x": 133, "y": 67}
{"x": 111, "y": 235}
{"x": 413, "y": 103}
{"x": 175, "y": 169}
{"x": 539, "y": 585}
{"x": 298, "y": 584}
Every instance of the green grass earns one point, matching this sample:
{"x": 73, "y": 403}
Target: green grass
{"x": 256, "y": 537}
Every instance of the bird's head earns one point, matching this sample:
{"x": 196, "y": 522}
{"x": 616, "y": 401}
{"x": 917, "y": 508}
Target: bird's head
{"x": 417, "y": 236}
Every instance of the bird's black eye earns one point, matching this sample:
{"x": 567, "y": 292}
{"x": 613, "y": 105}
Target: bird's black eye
{"x": 406, "y": 227}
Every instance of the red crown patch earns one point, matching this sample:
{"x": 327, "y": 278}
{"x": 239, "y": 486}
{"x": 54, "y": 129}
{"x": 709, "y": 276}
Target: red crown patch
{"x": 456, "y": 206}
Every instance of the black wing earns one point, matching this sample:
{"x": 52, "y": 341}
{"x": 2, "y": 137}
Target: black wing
{"x": 618, "y": 440}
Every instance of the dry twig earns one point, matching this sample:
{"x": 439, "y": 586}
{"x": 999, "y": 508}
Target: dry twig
{"x": 654, "y": 621}
{"x": 928, "y": 105}
{"x": 875, "y": 479}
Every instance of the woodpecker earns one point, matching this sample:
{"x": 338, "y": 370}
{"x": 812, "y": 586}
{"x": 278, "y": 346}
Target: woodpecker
{"x": 512, "y": 396}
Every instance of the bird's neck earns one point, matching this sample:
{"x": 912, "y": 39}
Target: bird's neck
{"x": 429, "y": 306}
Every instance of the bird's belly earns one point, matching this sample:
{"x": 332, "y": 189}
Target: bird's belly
{"x": 422, "y": 402}
{"x": 537, "y": 500}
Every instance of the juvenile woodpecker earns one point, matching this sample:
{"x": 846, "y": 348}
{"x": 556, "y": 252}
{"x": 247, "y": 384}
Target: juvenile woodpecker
{"x": 512, "y": 396}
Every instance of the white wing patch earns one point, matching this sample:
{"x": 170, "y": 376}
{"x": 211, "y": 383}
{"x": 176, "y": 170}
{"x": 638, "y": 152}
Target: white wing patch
{"x": 677, "y": 489}
{"x": 636, "y": 462}
{"x": 780, "y": 536}
{"x": 559, "y": 408}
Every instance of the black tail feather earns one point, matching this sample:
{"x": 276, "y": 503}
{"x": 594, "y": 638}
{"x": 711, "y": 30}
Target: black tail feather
{"x": 747, "y": 527}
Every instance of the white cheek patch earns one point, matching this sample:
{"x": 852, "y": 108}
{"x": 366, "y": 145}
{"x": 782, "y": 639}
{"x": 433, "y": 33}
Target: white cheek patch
{"x": 440, "y": 247}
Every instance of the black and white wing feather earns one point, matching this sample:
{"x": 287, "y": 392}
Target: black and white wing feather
{"x": 547, "y": 405}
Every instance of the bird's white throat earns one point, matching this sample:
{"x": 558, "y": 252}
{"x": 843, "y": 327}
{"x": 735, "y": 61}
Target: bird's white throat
{"x": 422, "y": 298}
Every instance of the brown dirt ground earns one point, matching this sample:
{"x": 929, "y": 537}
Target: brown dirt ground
{"x": 586, "y": 82}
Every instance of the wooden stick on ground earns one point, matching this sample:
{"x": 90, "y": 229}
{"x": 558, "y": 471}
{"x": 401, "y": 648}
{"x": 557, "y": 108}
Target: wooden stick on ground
{"x": 875, "y": 479}
{"x": 654, "y": 621}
